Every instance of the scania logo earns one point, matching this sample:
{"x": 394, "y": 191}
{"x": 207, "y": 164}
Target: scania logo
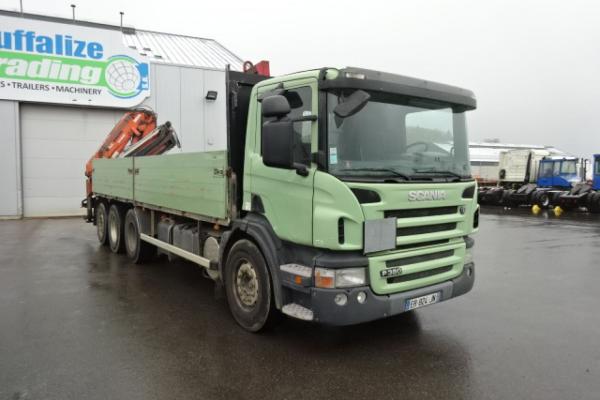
{"x": 423, "y": 195}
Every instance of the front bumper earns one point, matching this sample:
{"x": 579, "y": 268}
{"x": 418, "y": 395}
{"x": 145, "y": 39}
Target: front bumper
{"x": 326, "y": 311}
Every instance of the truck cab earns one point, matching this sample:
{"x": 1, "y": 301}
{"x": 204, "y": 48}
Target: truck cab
{"x": 558, "y": 173}
{"x": 363, "y": 180}
{"x": 596, "y": 173}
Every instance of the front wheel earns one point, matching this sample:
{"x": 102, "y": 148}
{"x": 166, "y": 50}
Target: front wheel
{"x": 248, "y": 286}
{"x": 542, "y": 200}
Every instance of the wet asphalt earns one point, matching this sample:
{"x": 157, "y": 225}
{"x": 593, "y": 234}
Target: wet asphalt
{"x": 77, "y": 322}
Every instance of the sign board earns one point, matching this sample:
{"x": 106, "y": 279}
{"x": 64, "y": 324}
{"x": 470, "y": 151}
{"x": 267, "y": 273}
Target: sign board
{"x": 64, "y": 63}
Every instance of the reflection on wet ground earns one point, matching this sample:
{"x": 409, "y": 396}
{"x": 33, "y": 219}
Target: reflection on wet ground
{"x": 79, "y": 322}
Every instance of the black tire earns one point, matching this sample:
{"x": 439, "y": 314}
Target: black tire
{"x": 542, "y": 200}
{"x": 506, "y": 198}
{"x": 137, "y": 250}
{"x": 115, "y": 229}
{"x": 248, "y": 286}
{"x": 594, "y": 203}
{"x": 534, "y": 198}
{"x": 101, "y": 215}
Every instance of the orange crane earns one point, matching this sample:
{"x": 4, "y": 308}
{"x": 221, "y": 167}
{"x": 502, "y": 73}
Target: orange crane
{"x": 136, "y": 134}
{"x": 132, "y": 127}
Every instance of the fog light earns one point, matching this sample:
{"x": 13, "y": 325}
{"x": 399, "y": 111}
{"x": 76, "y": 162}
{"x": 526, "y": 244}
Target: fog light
{"x": 340, "y": 299}
{"x": 361, "y": 297}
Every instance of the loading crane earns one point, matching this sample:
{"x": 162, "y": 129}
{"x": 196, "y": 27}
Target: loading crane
{"x": 136, "y": 134}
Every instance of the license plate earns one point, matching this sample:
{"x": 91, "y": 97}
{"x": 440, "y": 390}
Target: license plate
{"x": 422, "y": 301}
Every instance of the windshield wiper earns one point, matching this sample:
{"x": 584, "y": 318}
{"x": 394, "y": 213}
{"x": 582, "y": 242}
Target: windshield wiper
{"x": 390, "y": 170}
{"x": 433, "y": 171}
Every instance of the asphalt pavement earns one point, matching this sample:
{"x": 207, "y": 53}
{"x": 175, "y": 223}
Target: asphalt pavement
{"x": 77, "y": 322}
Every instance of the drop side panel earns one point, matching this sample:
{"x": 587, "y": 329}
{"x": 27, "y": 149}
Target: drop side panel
{"x": 188, "y": 182}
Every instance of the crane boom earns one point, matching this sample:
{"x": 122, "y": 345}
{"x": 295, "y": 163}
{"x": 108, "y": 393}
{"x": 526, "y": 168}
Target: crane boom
{"x": 136, "y": 134}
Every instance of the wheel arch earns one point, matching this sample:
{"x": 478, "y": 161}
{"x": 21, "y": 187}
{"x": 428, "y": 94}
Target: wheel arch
{"x": 258, "y": 230}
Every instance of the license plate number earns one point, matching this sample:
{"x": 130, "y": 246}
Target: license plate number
{"x": 422, "y": 301}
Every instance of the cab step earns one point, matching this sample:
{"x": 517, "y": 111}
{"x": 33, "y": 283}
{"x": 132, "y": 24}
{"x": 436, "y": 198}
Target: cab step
{"x": 298, "y": 311}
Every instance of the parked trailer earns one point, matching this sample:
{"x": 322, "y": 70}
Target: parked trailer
{"x": 327, "y": 204}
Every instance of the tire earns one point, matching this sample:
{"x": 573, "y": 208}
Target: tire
{"x": 542, "y": 200}
{"x": 115, "y": 229}
{"x": 101, "y": 223}
{"x": 137, "y": 250}
{"x": 506, "y": 198}
{"x": 534, "y": 198}
{"x": 248, "y": 286}
{"x": 594, "y": 203}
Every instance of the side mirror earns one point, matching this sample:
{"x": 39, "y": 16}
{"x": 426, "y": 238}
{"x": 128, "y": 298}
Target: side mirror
{"x": 352, "y": 104}
{"x": 277, "y": 135}
{"x": 275, "y": 106}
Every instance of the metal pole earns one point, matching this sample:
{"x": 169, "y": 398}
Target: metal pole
{"x": 21, "y": 4}
{"x": 122, "y": 13}
{"x": 73, "y": 7}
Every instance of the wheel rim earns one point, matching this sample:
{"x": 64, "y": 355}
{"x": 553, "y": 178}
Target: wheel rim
{"x": 113, "y": 228}
{"x": 246, "y": 284}
{"x": 131, "y": 237}
{"x": 545, "y": 201}
{"x": 101, "y": 225}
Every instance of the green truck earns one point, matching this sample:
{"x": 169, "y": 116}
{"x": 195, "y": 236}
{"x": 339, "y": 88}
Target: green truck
{"x": 343, "y": 196}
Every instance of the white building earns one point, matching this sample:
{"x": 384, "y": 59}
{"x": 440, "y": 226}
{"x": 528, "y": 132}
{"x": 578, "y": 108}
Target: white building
{"x": 64, "y": 85}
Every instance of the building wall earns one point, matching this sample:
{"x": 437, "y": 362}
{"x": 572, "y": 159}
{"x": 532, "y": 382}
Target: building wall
{"x": 178, "y": 95}
{"x": 56, "y": 140}
{"x": 10, "y": 181}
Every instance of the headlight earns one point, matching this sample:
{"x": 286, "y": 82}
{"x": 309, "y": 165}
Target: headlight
{"x": 339, "y": 278}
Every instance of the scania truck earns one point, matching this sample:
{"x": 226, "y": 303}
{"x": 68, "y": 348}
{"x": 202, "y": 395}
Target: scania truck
{"x": 341, "y": 196}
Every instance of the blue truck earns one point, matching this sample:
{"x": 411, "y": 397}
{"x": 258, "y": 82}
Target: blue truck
{"x": 584, "y": 194}
{"x": 556, "y": 176}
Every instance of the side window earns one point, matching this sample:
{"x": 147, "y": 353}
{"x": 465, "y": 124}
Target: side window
{"x": 556, "y": 171}
{"x": 301, "y": 103}
{"x": 546, "y": 169}
{"x": 300, "y": 100}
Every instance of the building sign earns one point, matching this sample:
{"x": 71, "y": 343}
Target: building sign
{"x": 53, "y": 62}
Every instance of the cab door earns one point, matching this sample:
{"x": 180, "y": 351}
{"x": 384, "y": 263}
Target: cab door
{"x": 285, "y": 196}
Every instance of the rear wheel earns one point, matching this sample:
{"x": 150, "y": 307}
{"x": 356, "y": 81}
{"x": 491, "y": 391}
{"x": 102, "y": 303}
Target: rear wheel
{"x": 101, "y": 223}
{"x": 248, "y": 286}
{"x": 115, "y": 228}
{"x": 138, "y": 250}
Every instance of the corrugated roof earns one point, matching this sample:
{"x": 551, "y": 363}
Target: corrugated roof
{"x": 169, "y": 48}
{"x": 159, "y": 47}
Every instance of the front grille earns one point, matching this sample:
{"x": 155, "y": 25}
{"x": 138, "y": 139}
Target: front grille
{"x": 417, "y": 259}
{"x": 420, "y": 212}
{"x": 422, "y": 244}
{"x": 419, "y": 275}
{"x": 420, "y": 230}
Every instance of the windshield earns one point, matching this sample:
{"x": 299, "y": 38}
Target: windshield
{"x": 569, "y": 167}
{"x": 398, "y": 136}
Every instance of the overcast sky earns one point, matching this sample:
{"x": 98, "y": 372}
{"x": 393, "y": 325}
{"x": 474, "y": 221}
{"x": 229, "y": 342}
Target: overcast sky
{"x": 533, "y": 65}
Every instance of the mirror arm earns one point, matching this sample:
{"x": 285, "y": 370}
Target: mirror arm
{"x": 301, "y": 169}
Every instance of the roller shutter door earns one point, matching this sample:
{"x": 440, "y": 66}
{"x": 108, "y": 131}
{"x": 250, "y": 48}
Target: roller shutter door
{"x": 56, "y": 143}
